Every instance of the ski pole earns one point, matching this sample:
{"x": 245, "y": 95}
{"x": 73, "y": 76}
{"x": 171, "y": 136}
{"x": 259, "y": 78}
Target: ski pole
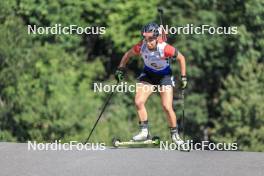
{"x": 182, "y": 121}
{"x": 102, "y": 111}
{"x": 160, "y": 11}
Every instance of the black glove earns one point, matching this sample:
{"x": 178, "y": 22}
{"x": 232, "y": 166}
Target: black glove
{"x": 183, "y": 82}
{"x": 119, "y": 74}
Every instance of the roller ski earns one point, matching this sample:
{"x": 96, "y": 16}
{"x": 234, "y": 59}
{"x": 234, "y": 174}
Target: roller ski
{"x": 141, "y": 139}
{"x": 154, "y": 141}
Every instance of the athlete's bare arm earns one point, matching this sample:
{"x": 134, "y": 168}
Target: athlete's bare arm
{"x": 181, "y": 60}
{"x": 130, "y": 53}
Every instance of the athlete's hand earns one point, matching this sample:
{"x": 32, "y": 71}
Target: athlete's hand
{"x": 183, "y": 82}
{"x": 119, "y": 74}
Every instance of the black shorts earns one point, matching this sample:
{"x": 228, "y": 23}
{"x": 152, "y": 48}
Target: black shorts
{"x": 155, "y": 79}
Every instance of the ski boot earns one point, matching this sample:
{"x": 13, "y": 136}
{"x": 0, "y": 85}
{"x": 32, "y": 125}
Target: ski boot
{"x": 175, "y": 137}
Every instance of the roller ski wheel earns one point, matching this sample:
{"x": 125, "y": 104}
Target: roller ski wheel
{"x": 116, "y": 142}
{"x": 156, "y": 140}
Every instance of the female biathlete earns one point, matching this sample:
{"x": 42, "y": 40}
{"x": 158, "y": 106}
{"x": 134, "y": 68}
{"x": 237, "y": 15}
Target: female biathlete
{"x": 156, "y": 72}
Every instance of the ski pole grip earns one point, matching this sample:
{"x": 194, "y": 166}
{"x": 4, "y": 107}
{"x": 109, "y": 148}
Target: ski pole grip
{"x": 160, "y": 10}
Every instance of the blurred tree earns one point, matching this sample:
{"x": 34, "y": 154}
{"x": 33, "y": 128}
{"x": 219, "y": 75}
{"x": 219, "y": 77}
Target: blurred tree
{"x": 45, "y": 92}
{"x": 242, "y": 112}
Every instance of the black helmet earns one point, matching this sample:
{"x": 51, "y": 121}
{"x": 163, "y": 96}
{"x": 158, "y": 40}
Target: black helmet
{"x": 150, "y": 28}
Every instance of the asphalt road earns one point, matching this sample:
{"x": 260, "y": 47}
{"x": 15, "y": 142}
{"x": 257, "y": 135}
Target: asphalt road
{"x": 16, "y": 160}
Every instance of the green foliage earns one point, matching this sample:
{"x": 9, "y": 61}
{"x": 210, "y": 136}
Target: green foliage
{"x": 46, "y": 91}
{"x": 242, "y": 112}
{"x": 125, "y": 29}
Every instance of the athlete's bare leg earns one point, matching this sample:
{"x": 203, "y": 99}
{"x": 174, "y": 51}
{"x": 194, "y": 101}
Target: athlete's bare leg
{"x": 143, "y": 91}
{"x": 167, "y": 100}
